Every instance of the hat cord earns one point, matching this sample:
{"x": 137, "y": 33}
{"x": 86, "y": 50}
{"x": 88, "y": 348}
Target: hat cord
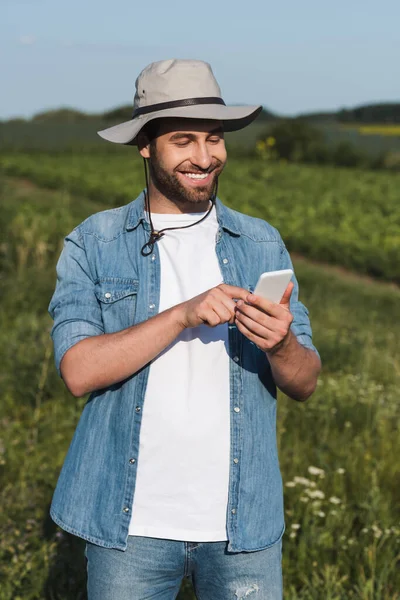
{"x": 148, "y": 247}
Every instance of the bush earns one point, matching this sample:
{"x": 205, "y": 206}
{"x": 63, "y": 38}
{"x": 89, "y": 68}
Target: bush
{"x": 292, "y": 138}
{"x": 346, "y": 155}
{"x": 295, "y": 140}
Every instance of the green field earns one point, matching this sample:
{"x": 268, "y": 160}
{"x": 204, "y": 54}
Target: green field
{"x": 343, "y": 216}
{"x": 339, "y": 451}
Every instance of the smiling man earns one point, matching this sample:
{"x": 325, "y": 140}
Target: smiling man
{"x": 173, "y": 469}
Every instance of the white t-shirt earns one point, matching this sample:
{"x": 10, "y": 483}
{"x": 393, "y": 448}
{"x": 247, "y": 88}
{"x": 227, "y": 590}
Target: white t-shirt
{"x": 184, "y": 448}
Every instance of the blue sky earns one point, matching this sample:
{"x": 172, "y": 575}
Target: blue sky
{"x": 291, "y": 56}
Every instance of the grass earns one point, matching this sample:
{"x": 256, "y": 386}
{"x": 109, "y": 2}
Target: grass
{"x": 339, "y": 451}
{"x": 349, "y": 217}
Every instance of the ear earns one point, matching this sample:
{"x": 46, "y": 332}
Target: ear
{"x": 143, "y": 144}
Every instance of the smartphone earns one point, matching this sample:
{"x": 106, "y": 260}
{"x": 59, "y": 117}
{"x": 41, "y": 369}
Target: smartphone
{"x": 272, "y": 285}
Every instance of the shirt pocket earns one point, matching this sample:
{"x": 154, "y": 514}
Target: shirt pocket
{"x": 117, "y": 298}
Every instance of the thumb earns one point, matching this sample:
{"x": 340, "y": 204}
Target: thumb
{"x": 286, "y": 296}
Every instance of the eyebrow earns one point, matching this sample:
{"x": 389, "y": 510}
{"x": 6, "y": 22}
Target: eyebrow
{"x": 180, "y": 135}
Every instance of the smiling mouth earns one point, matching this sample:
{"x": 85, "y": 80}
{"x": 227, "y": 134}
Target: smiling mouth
{"x": 195, "y": 176}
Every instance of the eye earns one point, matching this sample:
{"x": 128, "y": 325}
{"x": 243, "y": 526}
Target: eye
{"x": 182, "y": 143}
{"x": 214, "y": 140}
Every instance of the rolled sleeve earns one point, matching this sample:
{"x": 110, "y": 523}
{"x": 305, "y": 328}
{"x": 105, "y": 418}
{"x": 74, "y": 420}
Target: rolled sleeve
{"x": 73, "y": 307}
{"x": 301, "y": 325}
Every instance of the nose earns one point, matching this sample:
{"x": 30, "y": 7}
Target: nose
{"x": 201, "y": 156}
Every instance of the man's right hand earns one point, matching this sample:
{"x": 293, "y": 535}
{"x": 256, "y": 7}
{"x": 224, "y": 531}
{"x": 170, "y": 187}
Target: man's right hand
{"x": 213, "y": 307}
{"x": 99, "y": 361}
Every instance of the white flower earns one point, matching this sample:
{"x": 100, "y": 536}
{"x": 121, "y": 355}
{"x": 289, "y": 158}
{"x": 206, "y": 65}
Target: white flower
{"x": 351, "y": 541}
{"x": 316, "y": 471}
{"x": 290, "y": 484}
{"x": 334, "y": 500}
{"x": 304, "y": 499}
{"x": 333, "y": 512}
{"x": 320, "y": 513}
{"x": 293, "y": 534}
{"x": 364, "y": 530}
{"x": 315, "y": 494}
{"x": 341, "y": 471}
{"x": 295, "y": 525}
{"x": 377, "y": 531}
{"x": 304, "y": 481}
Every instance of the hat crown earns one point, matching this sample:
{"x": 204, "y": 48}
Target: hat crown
{"x": 175, "y": 79}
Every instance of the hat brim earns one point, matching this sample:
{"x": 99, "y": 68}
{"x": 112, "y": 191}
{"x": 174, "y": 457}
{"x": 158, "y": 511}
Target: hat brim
{"x": 233, "y": 117}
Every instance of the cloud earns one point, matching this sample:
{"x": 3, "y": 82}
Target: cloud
{"x": 27, "y": 40}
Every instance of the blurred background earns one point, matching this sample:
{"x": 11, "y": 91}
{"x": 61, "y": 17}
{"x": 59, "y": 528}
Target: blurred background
{"x": 321, "y": 163}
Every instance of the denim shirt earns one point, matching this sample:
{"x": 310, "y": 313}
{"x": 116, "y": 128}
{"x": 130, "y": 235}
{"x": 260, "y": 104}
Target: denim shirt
{"x": 104, "y": 285}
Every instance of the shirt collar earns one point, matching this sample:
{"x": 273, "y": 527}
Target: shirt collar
{"x": 226, "y": 217}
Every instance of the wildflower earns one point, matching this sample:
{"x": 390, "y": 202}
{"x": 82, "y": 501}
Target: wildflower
{"x": 351, "y": 541}
{"x": 334, "y": 500}
{"x": 333, "y": 512}
{"x": 316, "y": 471}
{"x": 295, "y": 526}
{"x": 320, "y": 513}
{"x": 377, "y": 531}
{"x": 364, "y": 530}
{"x": 341, "y": 471}
{"x": 304, "y": 481}
{"x": 315, "y": 494}
{"x": 304, "y": 499}
{"x": 290, "y": 484}
{"x": 347, "y": 424}
{"x": 271, "y": 141}
{"x": 293, "y": 534}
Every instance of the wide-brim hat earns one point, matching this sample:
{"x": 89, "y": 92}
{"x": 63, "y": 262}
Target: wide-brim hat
{"x": 178, "y": 88}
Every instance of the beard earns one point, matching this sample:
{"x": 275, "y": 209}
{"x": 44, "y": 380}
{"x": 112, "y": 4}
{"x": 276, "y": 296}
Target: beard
{"x": 169, "y": 184}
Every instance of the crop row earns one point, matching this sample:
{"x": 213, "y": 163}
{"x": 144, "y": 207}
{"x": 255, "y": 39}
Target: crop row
{"x": 344, "y": 216}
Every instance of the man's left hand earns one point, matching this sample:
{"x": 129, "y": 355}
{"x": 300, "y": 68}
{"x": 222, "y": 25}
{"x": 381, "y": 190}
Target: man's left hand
{"x": 265, "y": 323}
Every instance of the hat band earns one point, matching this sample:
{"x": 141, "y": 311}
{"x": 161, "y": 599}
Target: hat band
{"x": 176, "y": 104}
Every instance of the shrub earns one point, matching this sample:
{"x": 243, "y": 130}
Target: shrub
{"x": 292, "y": 139}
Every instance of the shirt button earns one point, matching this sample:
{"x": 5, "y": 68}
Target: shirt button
{"x": 236, "y": 358}
{"x": 233, "y": 511}
{"x": 107, "y": 295}
{"x": 153, "y": 257}
{"x": 225, "y": 261}
{"x": 152, "y": 306}
{"x": 236, "y": 460}
{"x": 132, "y": 461}
{"x": 236, "y": 409}
{"x": 137, "y": 409}
{"x": 125, "y": 509}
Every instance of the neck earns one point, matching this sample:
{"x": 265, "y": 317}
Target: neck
{"x": 159, "y": 203}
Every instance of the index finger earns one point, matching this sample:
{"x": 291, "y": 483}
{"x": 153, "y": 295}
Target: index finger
{"x": 234, "y": 291}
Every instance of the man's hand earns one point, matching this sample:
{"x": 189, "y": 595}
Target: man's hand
{"x": 265, "y": 323}
{"x": 213, "y": 307}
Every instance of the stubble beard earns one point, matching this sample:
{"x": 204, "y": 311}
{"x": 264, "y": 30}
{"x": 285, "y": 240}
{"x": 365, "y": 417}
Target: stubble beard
{"x": 171, "y": 187}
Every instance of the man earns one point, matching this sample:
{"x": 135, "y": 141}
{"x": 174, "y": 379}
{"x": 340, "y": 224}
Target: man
{"x": 173, "y": 468}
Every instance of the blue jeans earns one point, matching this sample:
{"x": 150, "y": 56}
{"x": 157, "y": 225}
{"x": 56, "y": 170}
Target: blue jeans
{"x": 152, "y": 568}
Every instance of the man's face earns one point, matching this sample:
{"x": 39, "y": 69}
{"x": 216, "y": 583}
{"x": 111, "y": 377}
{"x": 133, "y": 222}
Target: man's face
{"x": 186, "y": 157}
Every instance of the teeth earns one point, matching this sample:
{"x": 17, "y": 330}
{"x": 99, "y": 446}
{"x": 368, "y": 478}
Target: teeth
{"x": 196, "y": 175}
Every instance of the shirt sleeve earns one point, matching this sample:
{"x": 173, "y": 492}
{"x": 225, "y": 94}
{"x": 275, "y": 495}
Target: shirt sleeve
{"x": 301, "y": 325}
{"x": 73, "y": 307}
